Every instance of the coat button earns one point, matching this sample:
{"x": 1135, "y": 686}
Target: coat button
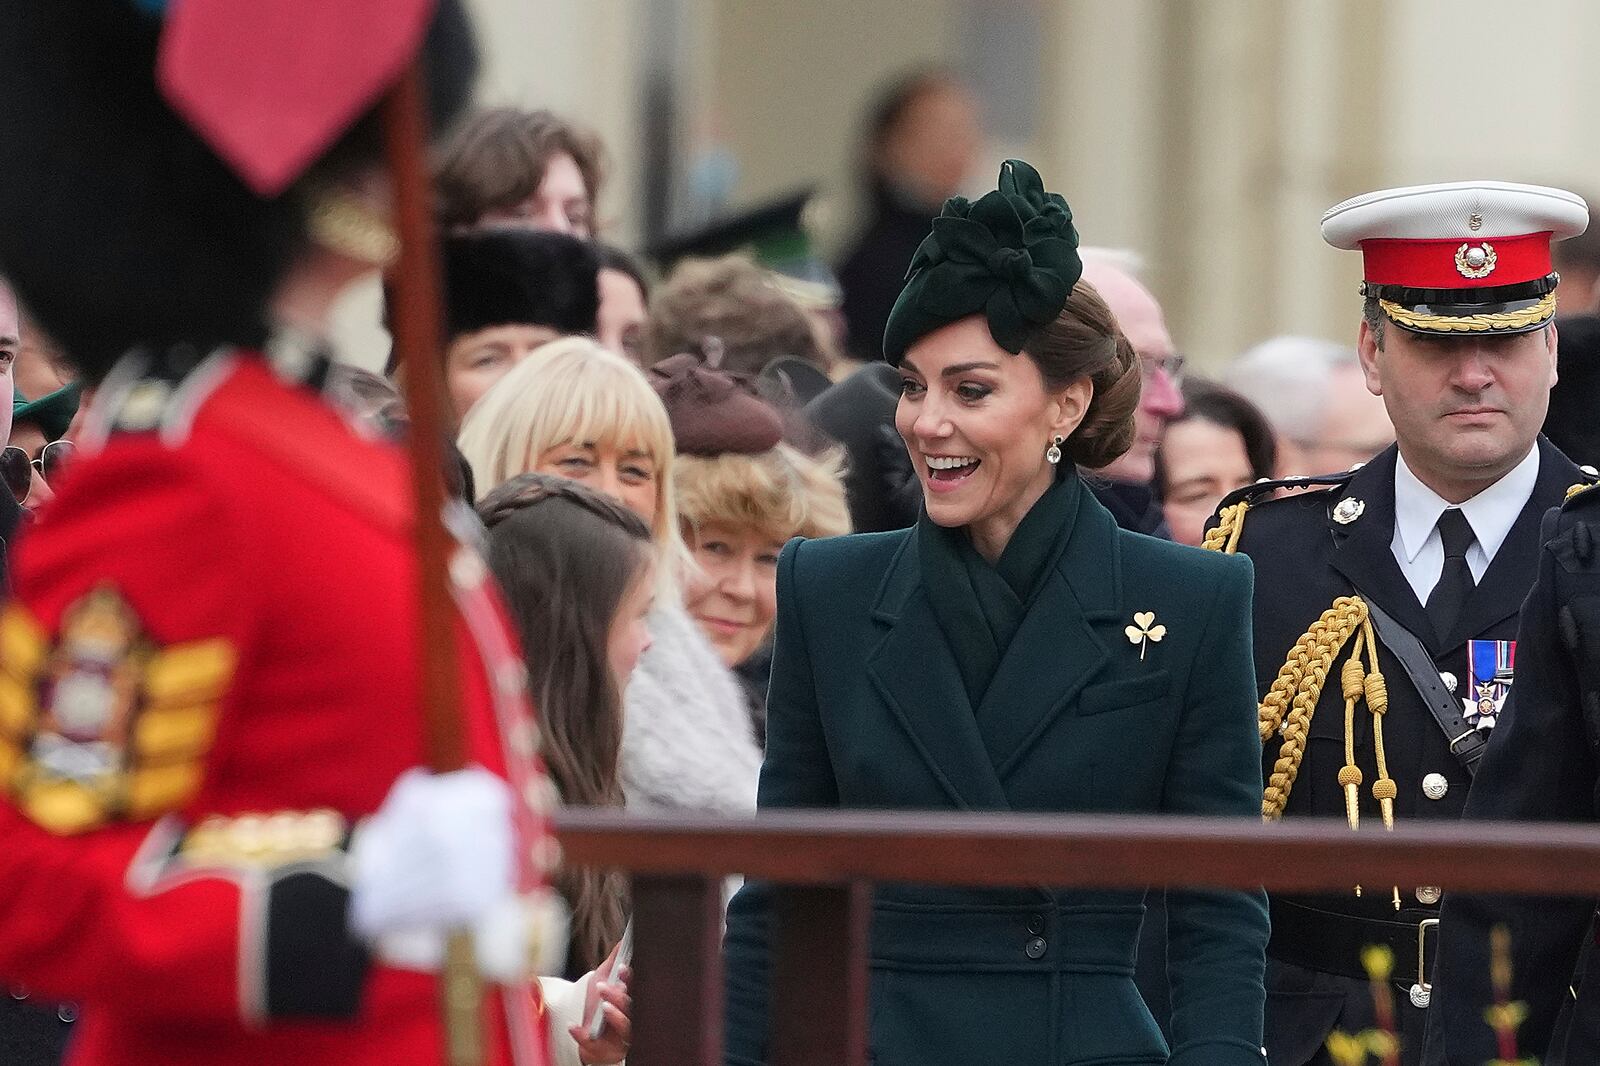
{"x": 1036, "y": 924}
{"x": 1449, "y": 680}
{"x": 19, "y": 993}
{"x": 1434, "y": 786}
{"x": 1428, "y": 895}
{"x": 1035, "y": 948}
{"x": 67, "y": 1012}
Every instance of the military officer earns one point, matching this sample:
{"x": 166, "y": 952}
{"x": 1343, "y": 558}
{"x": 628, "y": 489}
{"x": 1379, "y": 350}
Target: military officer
{"x": 1542, "y": 764}
{"x": 1398, "y": 582}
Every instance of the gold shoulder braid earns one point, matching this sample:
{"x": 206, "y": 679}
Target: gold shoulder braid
{"x": 1292, "y": 699}
{"x": 1224, "y": 536}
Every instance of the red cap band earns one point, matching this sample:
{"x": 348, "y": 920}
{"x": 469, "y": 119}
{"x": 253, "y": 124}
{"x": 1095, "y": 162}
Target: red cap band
{"x": 1451, "y": 263}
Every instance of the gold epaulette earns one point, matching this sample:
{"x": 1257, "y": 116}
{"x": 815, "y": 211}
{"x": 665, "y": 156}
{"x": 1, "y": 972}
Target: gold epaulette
{"x": 1224, "y": 536}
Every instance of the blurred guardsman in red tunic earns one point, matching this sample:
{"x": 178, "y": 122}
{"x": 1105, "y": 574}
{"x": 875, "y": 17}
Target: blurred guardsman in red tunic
{"x": 218, "y": 840}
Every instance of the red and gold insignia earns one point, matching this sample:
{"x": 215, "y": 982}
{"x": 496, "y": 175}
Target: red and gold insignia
{"x": 105, "y": 724}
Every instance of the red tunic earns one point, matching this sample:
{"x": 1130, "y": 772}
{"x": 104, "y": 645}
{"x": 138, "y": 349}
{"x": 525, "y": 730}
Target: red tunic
{"x": 217, "y": 616}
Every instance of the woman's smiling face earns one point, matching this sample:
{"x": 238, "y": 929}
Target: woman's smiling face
{"x": 977, "y": 421}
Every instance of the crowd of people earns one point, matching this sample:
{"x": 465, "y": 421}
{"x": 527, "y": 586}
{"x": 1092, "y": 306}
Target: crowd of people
{"x": 635, "y": 438}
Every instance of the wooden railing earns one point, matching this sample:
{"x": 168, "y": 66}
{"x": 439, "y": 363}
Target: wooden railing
{"x": 827, "y": 861}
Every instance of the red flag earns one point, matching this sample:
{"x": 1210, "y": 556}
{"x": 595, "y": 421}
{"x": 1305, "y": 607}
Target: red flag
{"x": 270, "y": 84}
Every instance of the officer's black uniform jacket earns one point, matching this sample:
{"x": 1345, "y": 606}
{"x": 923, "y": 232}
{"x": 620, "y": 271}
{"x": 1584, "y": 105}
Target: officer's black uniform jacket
{"x": 1540, "y": 766}
{"x": 1304, "y": 560}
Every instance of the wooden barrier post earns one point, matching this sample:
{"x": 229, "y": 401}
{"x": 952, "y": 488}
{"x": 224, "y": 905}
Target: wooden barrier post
{"x": 677, "y": 971}
{"x": 819, "y": 975}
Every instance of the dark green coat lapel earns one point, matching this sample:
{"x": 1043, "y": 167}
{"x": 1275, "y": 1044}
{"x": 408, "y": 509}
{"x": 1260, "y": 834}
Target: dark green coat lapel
{"x": 1055, "y": 651}
{"x": 915, "y": 672}
{"x": 980, "y": 606}
{"x": 1053, "y": 655}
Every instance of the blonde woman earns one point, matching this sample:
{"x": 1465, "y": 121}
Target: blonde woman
{"x": 577, "y": 410}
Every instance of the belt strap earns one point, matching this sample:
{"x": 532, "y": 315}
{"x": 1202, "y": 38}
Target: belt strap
{"x": 1332, "y": 942}
{"x": 1466, "y": 743}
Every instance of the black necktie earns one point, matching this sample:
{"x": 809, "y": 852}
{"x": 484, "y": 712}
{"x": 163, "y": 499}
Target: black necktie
{"x": 1455, "y": 580}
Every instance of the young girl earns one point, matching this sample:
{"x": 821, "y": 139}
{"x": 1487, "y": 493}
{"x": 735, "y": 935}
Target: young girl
{"x": 578, "y": 572}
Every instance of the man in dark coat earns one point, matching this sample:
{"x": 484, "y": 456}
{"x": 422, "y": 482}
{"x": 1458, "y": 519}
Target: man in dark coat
{"x": 1413, "y": 567}
{"x": 1571, "y": 425}
{"x": 1540, "y": 766}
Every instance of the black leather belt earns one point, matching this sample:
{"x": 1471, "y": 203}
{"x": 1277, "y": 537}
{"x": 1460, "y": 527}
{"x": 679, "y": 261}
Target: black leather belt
{"x": 1332, "y": 942}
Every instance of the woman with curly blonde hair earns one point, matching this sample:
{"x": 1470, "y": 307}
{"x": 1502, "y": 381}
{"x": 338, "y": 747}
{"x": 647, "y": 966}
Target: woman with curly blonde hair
{"x": 739, "y": 502}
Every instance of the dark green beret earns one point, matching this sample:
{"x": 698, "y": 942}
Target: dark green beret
{"x": 1011, "y": 256}
{"x": 51, "y": 413}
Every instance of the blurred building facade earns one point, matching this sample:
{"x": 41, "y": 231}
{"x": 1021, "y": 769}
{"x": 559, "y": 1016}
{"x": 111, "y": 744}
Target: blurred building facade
{"x": 1207, "y": 135}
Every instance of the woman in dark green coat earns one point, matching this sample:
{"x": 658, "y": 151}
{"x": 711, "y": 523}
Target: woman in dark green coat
{"x": 1016, "y": 651}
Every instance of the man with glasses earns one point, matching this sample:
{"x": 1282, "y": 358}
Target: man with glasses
{"x": 1399, "y": 582}
{"x": 1130, "y": 496}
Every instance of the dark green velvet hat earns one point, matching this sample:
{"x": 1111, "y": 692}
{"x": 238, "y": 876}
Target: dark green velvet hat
{"x": 52, "y": 413}
{"x": 1011, "y": 256}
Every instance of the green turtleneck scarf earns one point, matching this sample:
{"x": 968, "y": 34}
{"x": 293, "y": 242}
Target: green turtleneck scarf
{"x": 980, "y": 606}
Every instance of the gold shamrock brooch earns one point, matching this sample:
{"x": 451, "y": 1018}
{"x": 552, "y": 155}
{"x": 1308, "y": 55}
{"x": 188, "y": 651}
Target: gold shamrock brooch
{"x": 1144, "y": 632}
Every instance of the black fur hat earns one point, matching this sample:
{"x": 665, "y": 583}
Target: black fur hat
{"x": 505, "y": 276}
{"x": 119, "y": 227}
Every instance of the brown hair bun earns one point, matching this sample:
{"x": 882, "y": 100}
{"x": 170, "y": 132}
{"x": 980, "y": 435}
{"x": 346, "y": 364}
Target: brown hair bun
{"x": 1083, "y": 341}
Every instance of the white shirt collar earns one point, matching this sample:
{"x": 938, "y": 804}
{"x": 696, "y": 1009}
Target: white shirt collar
{"x": 1491, "y": 512}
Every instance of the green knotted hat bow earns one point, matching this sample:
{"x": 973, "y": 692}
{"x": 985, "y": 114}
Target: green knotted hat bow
{"x": 1011, "y": 256}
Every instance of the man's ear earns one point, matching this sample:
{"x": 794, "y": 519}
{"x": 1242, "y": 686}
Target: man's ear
{"x": 1367, "y": 351}
{"x": 1552, "y": 341}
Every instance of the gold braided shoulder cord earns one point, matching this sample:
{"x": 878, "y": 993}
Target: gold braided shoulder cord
{"x": 1528, "y": 316}
{"x": 1292, "y": 699}
{"x": 1224, "y": 537}
{"x": 1572, "y": 490}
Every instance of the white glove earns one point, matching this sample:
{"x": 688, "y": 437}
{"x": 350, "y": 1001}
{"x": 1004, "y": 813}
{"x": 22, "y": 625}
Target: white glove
{"x": 437, "y": 855}
{"x": 518, "y": 937}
